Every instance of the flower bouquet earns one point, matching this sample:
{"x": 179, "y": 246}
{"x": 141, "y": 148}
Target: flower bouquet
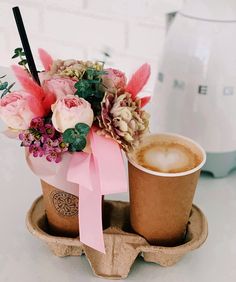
{"x": 74, "y": 118}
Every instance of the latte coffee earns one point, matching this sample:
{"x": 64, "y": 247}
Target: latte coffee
{"x": 167, "y": 156}
{"x": 163, "y": 175}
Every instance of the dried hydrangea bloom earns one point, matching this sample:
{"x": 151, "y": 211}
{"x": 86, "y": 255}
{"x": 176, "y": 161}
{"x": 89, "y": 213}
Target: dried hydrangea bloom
{"x": 123, "y": 119}
{"x": 72, "y": 68}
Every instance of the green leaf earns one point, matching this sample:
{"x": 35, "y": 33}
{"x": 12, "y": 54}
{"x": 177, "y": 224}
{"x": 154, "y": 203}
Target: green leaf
{"x": 10, "y": 86}
{"x": 79, "y": 144}
{"x": 69, "y": 135}
{"x": 72, "y": 148}
{"x": 82, "y": 85}
{"x": 95, "y": 81}
{"x": 82, "y": 128}
{"x": 15, "y": 56}
{"x": 83, "y": 95}
{"x": 22, "y": 53}
{"x": 4, "y": 92}
{"x": 91, "y": 73}
{"x": 22, "y": 62}
{"x": 99, "y": 94}
{"x": 18, "y": 50}
{"x": 3, "y": 85}
{"x": 102, "y": 72}
{"x": 77, "y": 84}
{"x": 106, "y": 54}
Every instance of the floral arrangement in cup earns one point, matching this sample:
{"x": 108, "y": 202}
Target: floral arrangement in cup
{"x": 73, "y": 119}
{"x": 56, "y": 116}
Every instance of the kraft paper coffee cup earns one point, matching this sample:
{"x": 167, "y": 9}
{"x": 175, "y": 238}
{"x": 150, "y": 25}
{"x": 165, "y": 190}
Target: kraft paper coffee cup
{"x": 160, "y": 203}
{"x": 61, "y": 210}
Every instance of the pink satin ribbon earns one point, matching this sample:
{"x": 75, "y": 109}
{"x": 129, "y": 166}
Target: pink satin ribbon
{"x": 88, "y": 176}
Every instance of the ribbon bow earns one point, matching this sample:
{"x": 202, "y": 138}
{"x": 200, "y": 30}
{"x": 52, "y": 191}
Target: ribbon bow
{"x": 88, "y": 176}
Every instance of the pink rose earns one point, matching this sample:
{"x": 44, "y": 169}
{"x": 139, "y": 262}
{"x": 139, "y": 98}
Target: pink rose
{"x": 113, "y": 80}
{"x": 61, "y": 87}
{"x": 69, "y": 111}
{"x": 15, "y": 110}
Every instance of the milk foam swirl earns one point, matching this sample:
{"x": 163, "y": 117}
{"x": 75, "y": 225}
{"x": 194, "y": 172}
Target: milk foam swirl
{"x": 168, "y": 157}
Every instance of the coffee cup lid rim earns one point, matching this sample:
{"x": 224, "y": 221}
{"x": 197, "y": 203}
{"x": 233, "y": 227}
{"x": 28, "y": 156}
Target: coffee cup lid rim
{"x": 177, "y": 174}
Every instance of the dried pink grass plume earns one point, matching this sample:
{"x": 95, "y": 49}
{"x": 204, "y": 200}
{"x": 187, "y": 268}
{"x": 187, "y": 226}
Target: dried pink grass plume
{"x": 42, "y": 99}
{"x": 45, "y": 58}
{"x": 138, "y": 80}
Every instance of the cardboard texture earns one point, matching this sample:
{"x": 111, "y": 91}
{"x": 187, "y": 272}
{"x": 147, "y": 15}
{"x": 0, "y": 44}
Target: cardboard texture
{"x": 122, "y": 245}
{"x": 160, "y": 206}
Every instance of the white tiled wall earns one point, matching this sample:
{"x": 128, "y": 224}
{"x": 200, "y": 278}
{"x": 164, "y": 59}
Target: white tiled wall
{"x": 132, "y": 31}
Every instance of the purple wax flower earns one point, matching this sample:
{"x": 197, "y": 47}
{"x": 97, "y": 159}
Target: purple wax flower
{"x": 63, "y": 147}
{"x": 26, "y": 138}
{"x": 37, "y": 123}
{"x": 43, "y": 140}
{"x": 36, "y": 149}
{"x": 46, "y": 148}
{"x": 48, "y": 142}
{"x": 55, "y": 143}
{"x": 49, "y": 130}
{"x": 54, "y": 155}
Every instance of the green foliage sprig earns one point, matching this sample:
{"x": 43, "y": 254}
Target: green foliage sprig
{"x": 76, "y": 137}
{"x": 89, "y": 88}
{"x": 5, "y": 87}
{"x": 18, "y": 52}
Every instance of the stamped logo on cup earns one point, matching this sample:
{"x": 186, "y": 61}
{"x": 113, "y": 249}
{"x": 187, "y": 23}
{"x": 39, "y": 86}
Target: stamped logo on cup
{"x": 64, "y": 203}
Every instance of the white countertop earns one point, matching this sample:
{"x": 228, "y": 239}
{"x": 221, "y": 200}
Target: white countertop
{"x": 25, "y": 258}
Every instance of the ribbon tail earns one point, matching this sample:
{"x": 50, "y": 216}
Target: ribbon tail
{"x": 83, "y": 171}
{"x": 79, "y": 170}
{"x": 111, "y": 170}
{"x": 90, "y": 219}
{"x": 96, "y": 174}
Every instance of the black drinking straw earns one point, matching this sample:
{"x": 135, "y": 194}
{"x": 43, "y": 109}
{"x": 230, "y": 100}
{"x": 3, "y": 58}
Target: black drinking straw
{"x": 25, "y": 44}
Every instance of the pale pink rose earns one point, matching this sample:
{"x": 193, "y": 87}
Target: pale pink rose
{"x": 113, "y": 80}
{"x": 61, "y": 87}
{"x": 15, "y": 110}
{"x": 69, "y": 111}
